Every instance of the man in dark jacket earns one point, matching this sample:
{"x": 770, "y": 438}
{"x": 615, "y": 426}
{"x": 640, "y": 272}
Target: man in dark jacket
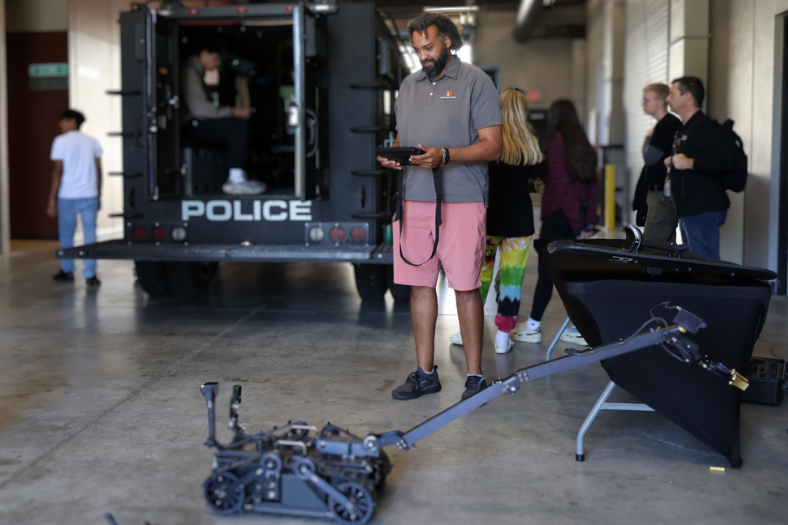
{"x": 701, "y": 156}
{"x": 661, "y": 219}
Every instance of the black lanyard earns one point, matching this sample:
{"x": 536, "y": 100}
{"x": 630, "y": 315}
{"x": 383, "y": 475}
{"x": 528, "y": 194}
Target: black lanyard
{"x": 436, "y": 178}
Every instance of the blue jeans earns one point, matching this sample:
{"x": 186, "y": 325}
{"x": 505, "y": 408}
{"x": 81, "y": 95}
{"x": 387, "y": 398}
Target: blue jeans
{"x": 67, "y": 211}
{"x": 702, "y": 233}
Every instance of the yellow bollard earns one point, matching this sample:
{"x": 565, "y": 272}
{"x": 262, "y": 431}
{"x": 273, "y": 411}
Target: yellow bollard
{"x": 610, "y": 197}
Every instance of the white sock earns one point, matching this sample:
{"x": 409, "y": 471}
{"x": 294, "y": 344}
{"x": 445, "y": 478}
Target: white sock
{"x": 502, "y": 339}
{"x": 428, "y": 373}
{"x": 475, "y": 375}
{"x": 533, "y": 325}
{"x": 237, "y": 175}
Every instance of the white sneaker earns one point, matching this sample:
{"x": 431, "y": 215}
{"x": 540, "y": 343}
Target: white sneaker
{"x": 456, "y": 339}
{"x": 509, "y": 346}
{"x": 522, "y": 334}
{"x": 571, "y": 335}
{"x": 247, "y": 187}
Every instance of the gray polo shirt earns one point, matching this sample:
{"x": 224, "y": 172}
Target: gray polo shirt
{"x": 446, "y": 113}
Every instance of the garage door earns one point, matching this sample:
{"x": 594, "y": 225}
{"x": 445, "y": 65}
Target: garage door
{"x": 645, "y": 62}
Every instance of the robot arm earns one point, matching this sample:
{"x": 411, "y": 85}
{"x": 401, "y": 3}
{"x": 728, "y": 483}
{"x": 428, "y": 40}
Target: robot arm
{"x": 672, "y": 336}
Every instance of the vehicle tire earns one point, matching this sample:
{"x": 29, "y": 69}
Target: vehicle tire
{"x": 153, "y": 278}
{"x": 400, "y": 292}
{"x": 192, "y": 279}
{"x": 370, "y": 280}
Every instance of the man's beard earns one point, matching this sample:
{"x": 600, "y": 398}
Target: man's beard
{"x": 438, "y": 65}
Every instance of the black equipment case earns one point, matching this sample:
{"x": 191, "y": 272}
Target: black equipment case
{"x": 768, "y": 378}
{"x": 609, "y": 286}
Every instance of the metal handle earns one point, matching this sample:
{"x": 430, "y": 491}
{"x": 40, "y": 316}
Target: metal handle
{"x": 312, "y": 123}
{"x": 286, "y": 443}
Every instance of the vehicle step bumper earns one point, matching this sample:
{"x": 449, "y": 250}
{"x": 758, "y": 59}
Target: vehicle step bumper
{"x": 119, "y": 249}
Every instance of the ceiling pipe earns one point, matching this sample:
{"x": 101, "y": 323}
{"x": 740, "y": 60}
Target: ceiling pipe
{"x": 527, "y": 18}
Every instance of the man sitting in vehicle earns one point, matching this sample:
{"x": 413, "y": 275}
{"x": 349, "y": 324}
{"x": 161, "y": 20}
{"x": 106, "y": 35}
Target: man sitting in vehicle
{"x": 216, "y": 124}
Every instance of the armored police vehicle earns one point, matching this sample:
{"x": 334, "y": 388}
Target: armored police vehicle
{"x": 322, "y": 79}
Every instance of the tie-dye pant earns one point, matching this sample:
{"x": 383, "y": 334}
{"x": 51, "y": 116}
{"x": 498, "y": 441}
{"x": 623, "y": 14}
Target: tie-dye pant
{"x": 514, "y": 257}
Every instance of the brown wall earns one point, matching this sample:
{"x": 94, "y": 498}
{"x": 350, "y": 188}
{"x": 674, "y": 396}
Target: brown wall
{"x": 32, "y": 125}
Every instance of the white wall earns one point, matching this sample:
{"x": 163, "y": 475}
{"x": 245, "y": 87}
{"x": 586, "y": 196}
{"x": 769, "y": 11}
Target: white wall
{"x": 545, "y": 65}
{"x": 744, "y": 82}
{"x": 730, "y": 56}
{"x": 94, "y": 60}
{"x": 762, "y": 195}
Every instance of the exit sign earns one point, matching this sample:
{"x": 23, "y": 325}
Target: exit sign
{"x": 53, "y": 70}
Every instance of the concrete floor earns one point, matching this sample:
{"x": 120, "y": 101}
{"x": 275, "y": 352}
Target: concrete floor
{"x": 100, "y": 409}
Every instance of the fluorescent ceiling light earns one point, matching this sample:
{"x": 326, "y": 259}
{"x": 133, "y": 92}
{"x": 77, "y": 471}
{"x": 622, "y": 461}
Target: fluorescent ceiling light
{"x": 453, "y": 9}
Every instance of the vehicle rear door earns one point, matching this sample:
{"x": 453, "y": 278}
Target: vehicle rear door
{"x": 150, "y": 103}
{"x": 162, "y": 106}
{"x": 308, "y": 49}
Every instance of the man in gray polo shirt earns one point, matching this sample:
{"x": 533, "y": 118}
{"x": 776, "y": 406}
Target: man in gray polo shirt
{"x": 452, "y": 111}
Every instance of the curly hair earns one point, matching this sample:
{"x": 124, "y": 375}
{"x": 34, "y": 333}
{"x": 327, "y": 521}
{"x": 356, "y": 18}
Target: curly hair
{"x": 443, "y": 24}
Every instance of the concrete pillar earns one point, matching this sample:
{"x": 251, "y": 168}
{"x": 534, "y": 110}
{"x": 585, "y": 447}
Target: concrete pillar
{"x": 605, "y": 51}
{"x": 605, "y": 32}
{"x": 578, "y": 76}
{"x": 689, "y": 39}
{"x": 614, "y": 71}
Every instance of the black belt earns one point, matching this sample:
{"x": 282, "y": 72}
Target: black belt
{"x": 655, "y": 188}
{"x": 436, "y": 178}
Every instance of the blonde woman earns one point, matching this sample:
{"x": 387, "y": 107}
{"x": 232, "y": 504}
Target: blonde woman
{"x": 510, "y": 216}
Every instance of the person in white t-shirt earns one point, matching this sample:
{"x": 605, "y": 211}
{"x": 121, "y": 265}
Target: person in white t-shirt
{"x": 76, "y": 190}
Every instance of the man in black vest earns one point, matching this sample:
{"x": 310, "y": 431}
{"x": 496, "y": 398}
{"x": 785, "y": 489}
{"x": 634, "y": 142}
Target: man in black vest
{"x": 701, "y": 157}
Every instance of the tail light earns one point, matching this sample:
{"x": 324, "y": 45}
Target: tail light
{"x": 336, "y": 234}
{"x": 159, "y": 234}
{"x": 358, "y": 234}
{"x": 140, "y": 234}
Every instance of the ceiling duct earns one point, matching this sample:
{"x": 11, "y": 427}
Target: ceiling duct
{"x": 528, "y": 16}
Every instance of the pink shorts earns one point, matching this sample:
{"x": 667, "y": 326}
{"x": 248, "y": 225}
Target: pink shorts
{"x": 460, "y": 250}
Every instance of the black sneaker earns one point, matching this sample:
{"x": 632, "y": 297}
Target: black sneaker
{"x": 473, "y": 385}
{"x": 418, "y": 384}
{"x": 93, "y": 281}
{"x": 63, "y": 276}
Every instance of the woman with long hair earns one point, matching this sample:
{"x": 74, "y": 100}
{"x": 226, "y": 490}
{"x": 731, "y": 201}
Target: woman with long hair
{"x": 510, "y": 216}
{"x": 569, "y": 203}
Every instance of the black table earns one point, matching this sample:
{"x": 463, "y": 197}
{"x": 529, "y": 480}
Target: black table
{"x": 608, "y": 294}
